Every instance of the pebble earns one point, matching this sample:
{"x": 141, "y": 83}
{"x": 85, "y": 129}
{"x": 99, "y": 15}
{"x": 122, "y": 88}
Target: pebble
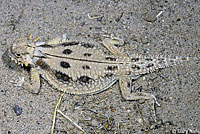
{"x": 151, "y": 16}
{"x": 3, "y": 42}
{"x": 144, "y": 40}
{"x": 17, "y": 109}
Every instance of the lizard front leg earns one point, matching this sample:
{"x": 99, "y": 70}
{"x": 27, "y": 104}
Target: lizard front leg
{"x": 34, "y": 85}
{"x": 57, "y": 40}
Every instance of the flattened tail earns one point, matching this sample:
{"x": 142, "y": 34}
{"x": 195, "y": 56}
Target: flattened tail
{"x": 169, "y": 61}
{"x": 143, "y": 65}
{"x": 165, "y": 62}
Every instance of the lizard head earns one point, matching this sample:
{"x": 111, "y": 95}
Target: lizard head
{"x": 21, "y": 52}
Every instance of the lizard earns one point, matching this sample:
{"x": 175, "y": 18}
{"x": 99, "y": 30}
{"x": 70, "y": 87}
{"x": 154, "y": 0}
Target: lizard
{"x": 76, "y": 67}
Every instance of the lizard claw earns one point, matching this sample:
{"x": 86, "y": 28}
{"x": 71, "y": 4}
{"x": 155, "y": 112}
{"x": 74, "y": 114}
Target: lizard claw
{"x": 155, "y": 100}
{"x": 152, "y": 102}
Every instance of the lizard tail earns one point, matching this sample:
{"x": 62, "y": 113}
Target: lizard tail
{"x": 143, "y": 65}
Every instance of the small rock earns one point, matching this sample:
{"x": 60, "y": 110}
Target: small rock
{"x": 82, "y": 24}
{"x": 99, "y": 19}
{"x": 190, "y": 21}
{"x": 151, "y": 16}
{"x": 144, "y": 40}
{"x": 17, "y": 109}
{"x": 3, "y": 42}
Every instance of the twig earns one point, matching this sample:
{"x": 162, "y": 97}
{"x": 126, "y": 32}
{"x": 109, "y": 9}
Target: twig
{"x": 54, "y": 115}
{"x": 76, "y": 125}
{"x": 94, "y": 17}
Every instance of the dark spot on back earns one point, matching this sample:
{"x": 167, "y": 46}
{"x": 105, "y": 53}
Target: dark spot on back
{"x": 112, "y": 68}
{"x": 46, "y": 46}
{"x": 70, "y": 44}
{"x": 138, "y": 67}
{"x": 135, "y": 59}
{"x": 134, "y": 67}
{"x": 42, "y": 64}
{"x": 64, "y": 64}
{"x": 117, "y": 45}
{"x": 150, "y": 65}
{"x": 171, "y": 60}
{"x": 111, "y": 59}
{"x": 109, "y": 75}
{"x": 66, "y": 77}
{"x": 87, "y": 54}
{"x": 184, "y": 58}
{"x": 85, "y": 67}
{"x": 58, "y": 75}
{"x": 62, "y": 76}
{"x": 149, "y": 59}
{"x": 67, "y": 51}
{"x": 141, "y": 63}
{"x": 87, "y": 45}
{"x": 84, "y": 79}
{"x": 161, "y": 59}
{"x": 128, "y": 84}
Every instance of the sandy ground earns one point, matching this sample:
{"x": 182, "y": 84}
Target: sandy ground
{"x": 169, "y": 27}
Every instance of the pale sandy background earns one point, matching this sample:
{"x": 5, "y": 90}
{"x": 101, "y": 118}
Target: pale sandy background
{"x": 176, "y": 31}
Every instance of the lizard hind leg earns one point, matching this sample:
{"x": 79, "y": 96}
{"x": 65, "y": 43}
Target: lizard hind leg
{"x": 125, "y": 86}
